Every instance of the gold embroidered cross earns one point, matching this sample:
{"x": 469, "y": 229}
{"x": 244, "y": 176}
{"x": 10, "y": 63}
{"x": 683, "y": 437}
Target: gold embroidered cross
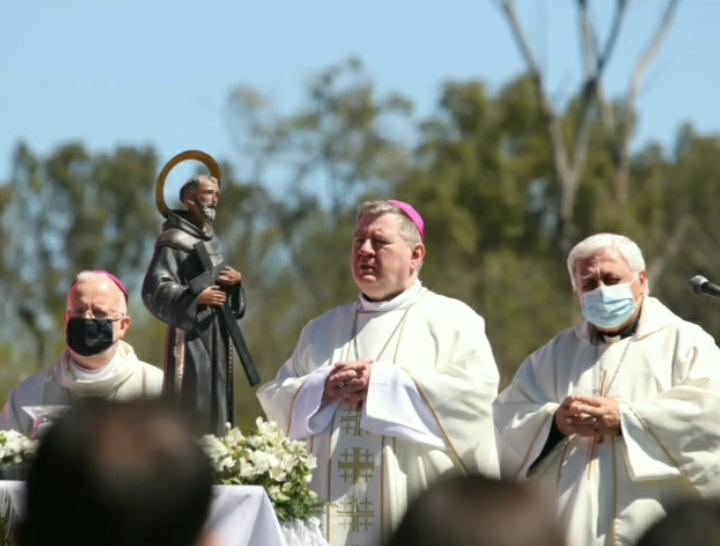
{"x": 357, "y": 514}
{"x": 355, "y": 468}
{"x": 351, "y": 421}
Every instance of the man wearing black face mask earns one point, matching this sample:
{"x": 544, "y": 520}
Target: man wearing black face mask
{"x": 97, "y": 361}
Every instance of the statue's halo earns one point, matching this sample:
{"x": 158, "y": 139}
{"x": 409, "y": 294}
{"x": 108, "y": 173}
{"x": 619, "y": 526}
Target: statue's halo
{"x": 187, "y": 155}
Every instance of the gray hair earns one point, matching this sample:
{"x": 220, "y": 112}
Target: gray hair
{"x": 599, "y": 243}
{"x": 87, "y": 275}
{"x": 193, "y": 183}
{"x": 408, "y": 230}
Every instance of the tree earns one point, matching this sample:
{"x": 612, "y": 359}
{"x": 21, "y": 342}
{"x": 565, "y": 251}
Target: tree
{"x": 571, "y": 136}
{"x": 69, "y": 212}
{"x": 321, "y": 160}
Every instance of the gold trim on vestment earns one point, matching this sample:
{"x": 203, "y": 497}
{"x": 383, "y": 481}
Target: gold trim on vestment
{"x": 352, "y": 352}
{"x": 562, "y": 460}
{"x": 532, "y": 444}
{"x": 329, "y": 476}
{"x": 616, "y": 504}
{"x": 439, "y": 424}
{"x": 292, "y": 406}
{"x": 382, "y": 489}
{"x": 348, "y": 345}
{"x": 662, "y": 446}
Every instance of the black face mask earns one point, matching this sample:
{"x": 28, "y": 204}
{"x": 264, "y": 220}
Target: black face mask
{"x": 89, "y": 337}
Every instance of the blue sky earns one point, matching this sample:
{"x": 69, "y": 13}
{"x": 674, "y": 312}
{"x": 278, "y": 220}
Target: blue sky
{"x": 159, "y": 72}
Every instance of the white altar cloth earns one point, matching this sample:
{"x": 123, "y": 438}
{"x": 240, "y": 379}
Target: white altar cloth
{"x": 239, "y": 516}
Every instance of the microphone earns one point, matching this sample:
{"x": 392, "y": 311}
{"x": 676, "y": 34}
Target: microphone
{"x": 700, "y": 285}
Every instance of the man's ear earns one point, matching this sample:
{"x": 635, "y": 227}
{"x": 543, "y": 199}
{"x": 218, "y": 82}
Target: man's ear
{"x": 125, "y": 324}
{"x": 189, "y": 201}
{"x": 418, "y": 254}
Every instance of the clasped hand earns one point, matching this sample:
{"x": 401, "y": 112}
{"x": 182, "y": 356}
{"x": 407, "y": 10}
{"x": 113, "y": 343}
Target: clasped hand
{"x": 349, "y": 382}
{"x": 229, "y": 276}
{"x": 589, "y": 416}
{"x": 214, "y": 295}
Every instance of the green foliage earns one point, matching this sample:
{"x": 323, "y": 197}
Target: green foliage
{"x": 479, "y": 169}
{"x": 69, "y": 212}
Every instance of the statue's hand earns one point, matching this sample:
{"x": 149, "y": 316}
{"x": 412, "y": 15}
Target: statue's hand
{"x": 212, "y": 295}
{"x": 228, "y": 276}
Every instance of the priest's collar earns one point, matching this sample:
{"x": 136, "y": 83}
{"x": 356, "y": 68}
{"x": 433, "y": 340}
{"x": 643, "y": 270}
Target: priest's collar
{"x": 403, "y": 299}
{"x": 86, "y": 374}
{"x": 614, "y": 338}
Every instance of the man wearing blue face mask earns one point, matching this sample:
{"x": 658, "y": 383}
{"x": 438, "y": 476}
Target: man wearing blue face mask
{"x": 620, "y": 414}
{"x": 97, "y": 361}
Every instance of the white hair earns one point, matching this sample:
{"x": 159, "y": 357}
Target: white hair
{"x": 85, "y": 276}
{"x": 600, "y": 243}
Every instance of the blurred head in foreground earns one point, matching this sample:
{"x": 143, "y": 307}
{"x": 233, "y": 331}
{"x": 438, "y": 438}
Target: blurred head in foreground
{"x": 477, "y": 511}
{"x": 117, "y": 474}
{"x": 693, "y": 523}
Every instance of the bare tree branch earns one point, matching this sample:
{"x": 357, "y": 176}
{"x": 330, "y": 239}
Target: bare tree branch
{"x": 590, "y": 91}
{"x": 613, "y": 35}
{"x": 651, "y": 51}
{"x": 606, "y": 109}
{"x": 570, "y": 163}
{"x": 570, "y": 159}
{"x": 588, "y": 41}
{"x": 509, "y": 8}
{"x": 553, "y": 125}
{"x": 673, "y": 246}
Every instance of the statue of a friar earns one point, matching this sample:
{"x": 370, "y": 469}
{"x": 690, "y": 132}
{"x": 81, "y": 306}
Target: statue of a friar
{"x": 189, "y": 286}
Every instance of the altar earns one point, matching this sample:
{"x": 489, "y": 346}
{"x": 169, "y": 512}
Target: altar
{"x": 239, "y": 516}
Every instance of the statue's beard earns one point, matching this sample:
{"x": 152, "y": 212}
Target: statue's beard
{"x": 208, "y": 212}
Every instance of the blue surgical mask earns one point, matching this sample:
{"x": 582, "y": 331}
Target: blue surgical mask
{"x": 608, "y": 307}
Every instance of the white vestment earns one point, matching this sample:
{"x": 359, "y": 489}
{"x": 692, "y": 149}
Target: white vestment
{"x": 667, "y": 379}
{"x": 123, "y": 377}
{"x": 428, "y": 409}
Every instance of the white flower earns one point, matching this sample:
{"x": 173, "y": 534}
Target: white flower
{"x": 288, "y": 462}
{"x": 15, "y": 448}
{"x": 225, "y": 464}
{"x": 267, "y": 457}
{"x": 234, "y": 436}
{"x": 277, "y": 473}
{"x": 263, "y": 461}
{"x": 246, "y": 469}
{"x": 214, "y": 448}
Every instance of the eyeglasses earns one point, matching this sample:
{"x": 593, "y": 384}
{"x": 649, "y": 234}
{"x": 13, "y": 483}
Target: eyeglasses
{"x": 87, "y": 313}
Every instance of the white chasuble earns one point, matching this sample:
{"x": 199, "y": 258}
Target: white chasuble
{"x": 666, "y": 377}
{"x": 36, "y": 398}
{"x": 428, "y": 409}
{"x": 355, "y": 467}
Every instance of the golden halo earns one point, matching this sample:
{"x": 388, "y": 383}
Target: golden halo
{"x": 197, "y": 155}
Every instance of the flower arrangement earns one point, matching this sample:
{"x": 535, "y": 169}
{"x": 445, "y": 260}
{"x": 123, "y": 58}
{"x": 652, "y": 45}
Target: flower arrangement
{"x": 15, "y": 448}
{"x": 270, "y": 459}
